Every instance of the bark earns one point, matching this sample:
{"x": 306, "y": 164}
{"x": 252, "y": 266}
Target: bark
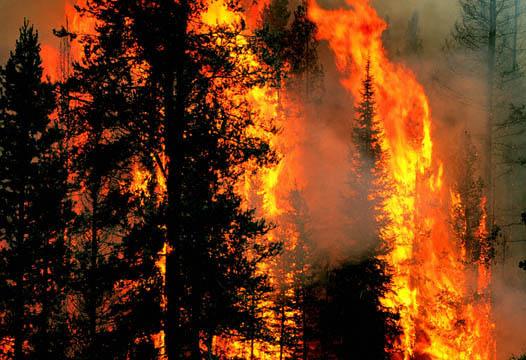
{"x": 515, "y": 35}
{"x": 92, "y": 282}
{"x": 175, "y": 98}
{"x": 18, "y": 313}
{"x": 492, "y": 37}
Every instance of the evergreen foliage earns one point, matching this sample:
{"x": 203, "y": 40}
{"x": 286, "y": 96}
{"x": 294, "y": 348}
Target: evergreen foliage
{"x": 33, "y": 268}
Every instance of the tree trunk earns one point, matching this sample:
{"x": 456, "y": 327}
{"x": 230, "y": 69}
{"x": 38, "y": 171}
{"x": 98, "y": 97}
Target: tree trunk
{"x": 252, "y": 325}
{"x": 18, "y": 321}
{"x": 515, "y": 65}
{"x": 175, "y": 98}
{"x": 196, "y": 298}
{"x": 92, "y": 281}
{"x": 18, "y": 318}
{"x": 492, "y": 38}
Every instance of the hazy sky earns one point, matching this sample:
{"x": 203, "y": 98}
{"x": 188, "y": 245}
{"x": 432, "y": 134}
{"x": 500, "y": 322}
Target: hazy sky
{"x": 44, "y": 14}
{"x": 48, "y": 14}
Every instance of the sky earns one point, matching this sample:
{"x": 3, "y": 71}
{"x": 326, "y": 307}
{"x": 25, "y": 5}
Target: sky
{"x": 44, "y": 14}
{"x": 436, "y": 18}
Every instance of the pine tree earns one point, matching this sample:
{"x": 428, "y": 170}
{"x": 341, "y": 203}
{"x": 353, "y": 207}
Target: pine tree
{"x": 191, "y": 112}
{"x": 470, "y": 211}
{"x": 274, "y": 33}
{"x": 290, "y": 48}
{"x": 370, "y": 186}
{"x": 367, "y": 181}
{"x": 346, "y": 313}
{"x": 365, "y": 127}
{"x": 485, "y": 31}
{"x": 33, "y": 193}
{"x": 302, "y": 54}
{"x": 292, "y": 272}
{"x": 116, "y": 282}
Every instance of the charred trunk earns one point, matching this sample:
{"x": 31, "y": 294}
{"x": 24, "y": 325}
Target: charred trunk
{"x": 92, "y": 274}
{"x": 175, "y": 99}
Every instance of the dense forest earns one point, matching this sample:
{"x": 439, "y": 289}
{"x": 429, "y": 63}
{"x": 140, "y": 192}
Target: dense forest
{"x": 271, "y": 179}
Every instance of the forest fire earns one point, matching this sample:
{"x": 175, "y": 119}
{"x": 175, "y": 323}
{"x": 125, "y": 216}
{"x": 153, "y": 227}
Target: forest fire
{"x": 439, "y": 317}
{"x": 173, "y": 147}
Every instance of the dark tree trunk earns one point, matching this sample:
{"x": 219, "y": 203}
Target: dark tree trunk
{"x": 196, "y": 312}
{"x": 175, "y": 99}
{"x": 18, "y": 322}
{"x": 492, "y": 38}
{"x": 515, "y": 65}
{"x": 92, "y": 274}
{"x": 18, "y": 318}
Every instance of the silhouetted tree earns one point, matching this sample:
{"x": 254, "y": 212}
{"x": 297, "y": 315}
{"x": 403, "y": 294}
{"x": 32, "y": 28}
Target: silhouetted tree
{"x": 354, "y": 289}
{"x": 291, "y": 48}
{"x": 116, "y": 283}
{"x": 484, "y": 30}
{"x": 33, "y": 191}
{"x": 345, "y": 314}
{"x": 470, "y": 212}
{"x": 195, "y": 117}
{"x": 293, "y": 273}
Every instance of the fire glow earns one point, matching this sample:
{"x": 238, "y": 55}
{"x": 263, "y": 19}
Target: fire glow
{"x": 441, "y": 316}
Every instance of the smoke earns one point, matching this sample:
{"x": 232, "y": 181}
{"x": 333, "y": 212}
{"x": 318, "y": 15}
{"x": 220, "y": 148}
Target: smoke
{"x": 456, "y": 87}
{"x": 456, "y": 92}
{"x": 510, "y": 308}
{"x": 327, "y": 148}
{"x": 337, "y": 224}
{"x": 341, "y": 225}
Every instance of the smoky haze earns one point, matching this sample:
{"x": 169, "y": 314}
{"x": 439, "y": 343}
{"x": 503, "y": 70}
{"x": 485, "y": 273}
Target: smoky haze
{"x": 456, "y": 86}
{"x": 457, "y": 99}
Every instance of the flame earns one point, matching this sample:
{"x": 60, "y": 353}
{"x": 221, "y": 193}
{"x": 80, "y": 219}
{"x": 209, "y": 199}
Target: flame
{"x": 75, "y": 23}
{"x": 267, "y": 188}
{"x": 50, "y": 62}
{"x": 439, "y": 317}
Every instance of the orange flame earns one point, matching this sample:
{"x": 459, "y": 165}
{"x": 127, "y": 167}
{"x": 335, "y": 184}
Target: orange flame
{"x": 439, "y": 317}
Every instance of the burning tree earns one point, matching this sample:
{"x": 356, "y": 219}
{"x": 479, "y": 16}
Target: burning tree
{"x": 114, "y": 280}
{"x": 370, "y": 190}
{"x": 290, "y": 48}
{"x": 178, "y": 169}
{"x": 430, "y": 286}
{"x": 194, "y": 121}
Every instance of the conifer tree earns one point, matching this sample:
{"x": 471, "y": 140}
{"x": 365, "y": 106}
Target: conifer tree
{"x": 365, "y": 127}
{"x": 191, "y": 112}
{"x": 294, "y": 270}
{"x": 369, "y": 187}
{"x": 116, "y": 282}
{"x": 485, "y": 30}
{"x": 470, "y": 211}
{"x": 33, "y": 267}
{"x": 366, "y": 180}
{"x": 290, "y": 48}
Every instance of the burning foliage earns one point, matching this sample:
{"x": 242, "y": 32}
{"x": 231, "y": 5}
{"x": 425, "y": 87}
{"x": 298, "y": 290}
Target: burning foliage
{"x": 157, "y": 205}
